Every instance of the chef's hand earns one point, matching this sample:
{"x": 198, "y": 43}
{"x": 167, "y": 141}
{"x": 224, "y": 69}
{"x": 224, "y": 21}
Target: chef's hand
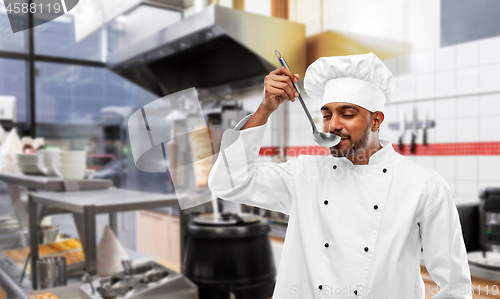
{"x": 279, "y": 88}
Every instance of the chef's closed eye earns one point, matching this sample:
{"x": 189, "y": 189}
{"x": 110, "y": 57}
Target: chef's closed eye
{"x": 348, "y": 110}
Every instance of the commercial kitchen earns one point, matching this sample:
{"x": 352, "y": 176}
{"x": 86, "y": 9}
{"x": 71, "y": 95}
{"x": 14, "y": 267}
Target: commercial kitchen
{"x": 105, "y": 109}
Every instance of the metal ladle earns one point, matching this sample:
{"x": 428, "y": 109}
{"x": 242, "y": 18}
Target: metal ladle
{"x": 321, "y": 138}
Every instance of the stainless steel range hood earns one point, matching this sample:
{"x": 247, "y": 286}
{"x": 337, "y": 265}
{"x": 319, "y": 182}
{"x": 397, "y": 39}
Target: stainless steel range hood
{"x": 214, "y": 47}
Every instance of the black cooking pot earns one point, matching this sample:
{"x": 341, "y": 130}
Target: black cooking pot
{"x": 229, "y": 256}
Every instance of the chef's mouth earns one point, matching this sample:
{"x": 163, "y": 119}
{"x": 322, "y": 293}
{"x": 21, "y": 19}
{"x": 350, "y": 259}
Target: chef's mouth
{"x": 342, "y": 137}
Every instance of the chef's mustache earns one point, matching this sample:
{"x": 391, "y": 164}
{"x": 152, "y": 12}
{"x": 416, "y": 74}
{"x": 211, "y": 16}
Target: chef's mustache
{"x": 341, "y": 135}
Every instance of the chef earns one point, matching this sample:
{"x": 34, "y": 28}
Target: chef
{"x": 360, "y": 217}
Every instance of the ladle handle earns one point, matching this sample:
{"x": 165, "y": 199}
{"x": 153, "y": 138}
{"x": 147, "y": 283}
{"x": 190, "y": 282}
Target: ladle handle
{"x": 313, "y": 125}
{"x": 283, "y": 63}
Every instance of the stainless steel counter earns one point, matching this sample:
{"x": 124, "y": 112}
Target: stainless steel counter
{"x": 9, "y": 280}
{"x": 85, "y": 205}
{"x": 479, "y": 272}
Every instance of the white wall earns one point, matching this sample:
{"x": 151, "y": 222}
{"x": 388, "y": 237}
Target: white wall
{"x": 415, "y": 23}
{"x": 262, "y": 7}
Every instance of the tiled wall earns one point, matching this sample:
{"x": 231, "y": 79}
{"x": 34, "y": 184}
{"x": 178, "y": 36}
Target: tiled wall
{"x": 459, "y": 88}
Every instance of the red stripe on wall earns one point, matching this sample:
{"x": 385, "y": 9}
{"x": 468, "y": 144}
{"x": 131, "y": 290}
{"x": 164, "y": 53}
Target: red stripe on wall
{"x": 295, "y": 151}
{"x": 435, "y": 149}
{"x": 453, "y": 149}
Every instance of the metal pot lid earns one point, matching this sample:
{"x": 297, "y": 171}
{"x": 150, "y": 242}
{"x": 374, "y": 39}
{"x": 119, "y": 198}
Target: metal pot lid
{"x": 226, "y": 219}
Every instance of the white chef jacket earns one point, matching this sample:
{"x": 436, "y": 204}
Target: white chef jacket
{"x": 354, "y": 231}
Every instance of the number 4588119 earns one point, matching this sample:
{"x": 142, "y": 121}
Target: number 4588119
{"x": 33, "y": 8}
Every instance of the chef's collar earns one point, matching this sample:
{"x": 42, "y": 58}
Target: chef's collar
{"x": 382, "y": 156}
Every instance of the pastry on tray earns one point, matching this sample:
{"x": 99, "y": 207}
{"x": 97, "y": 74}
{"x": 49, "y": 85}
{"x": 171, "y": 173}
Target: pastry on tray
{"x": 20, "y": 254}
{"x": 46, "y": 249}
{"x": 17, "y": 254}
{"x": 74, "y": 257}
{"x": 73, "y": 243}
{"x": 44, "y": 296}
{"x": 60, "y": 247}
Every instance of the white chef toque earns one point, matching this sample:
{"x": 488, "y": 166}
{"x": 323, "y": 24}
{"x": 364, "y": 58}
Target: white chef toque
{"x": 362, "y": 79}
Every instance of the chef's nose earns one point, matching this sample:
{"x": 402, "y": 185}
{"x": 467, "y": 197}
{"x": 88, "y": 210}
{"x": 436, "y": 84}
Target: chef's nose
{"x": 335, "y": 124}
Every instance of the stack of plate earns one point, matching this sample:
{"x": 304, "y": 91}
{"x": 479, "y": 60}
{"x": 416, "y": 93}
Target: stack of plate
{"x": 70, "y": 165}
{"x": 46, "y": 161}
{"x": 28, "y": 163}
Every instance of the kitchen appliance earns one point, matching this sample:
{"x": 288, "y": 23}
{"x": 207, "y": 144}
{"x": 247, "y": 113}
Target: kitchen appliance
{"x": 469, "y": 221}
{"x": 229, "y": 256}
{"x": 489, "y": 215}
{"x": 489, "y": 209}
{"x": 321, "y": 138}
{"x": 144, "y": 281}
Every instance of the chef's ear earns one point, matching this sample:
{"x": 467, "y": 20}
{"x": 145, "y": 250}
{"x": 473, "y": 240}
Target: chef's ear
{"x": 377, "y": 119}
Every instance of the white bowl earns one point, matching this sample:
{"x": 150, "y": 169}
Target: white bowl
{"x": 27, "y": 164}
{"x": 30, "y": 169}
{"x": 89, "y": 173}
{"x": 27, "y": 157}
{"x": 45, "y": 165}
{"x": 57, "y": 164}
{"x": 71, "y": 160}
{"x": 73, "y": 154}
{"x": 70, "y": 172}
{"x": 49, "y": 153}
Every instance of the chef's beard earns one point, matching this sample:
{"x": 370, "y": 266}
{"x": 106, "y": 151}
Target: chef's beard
{"x": 351, "y": 149}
